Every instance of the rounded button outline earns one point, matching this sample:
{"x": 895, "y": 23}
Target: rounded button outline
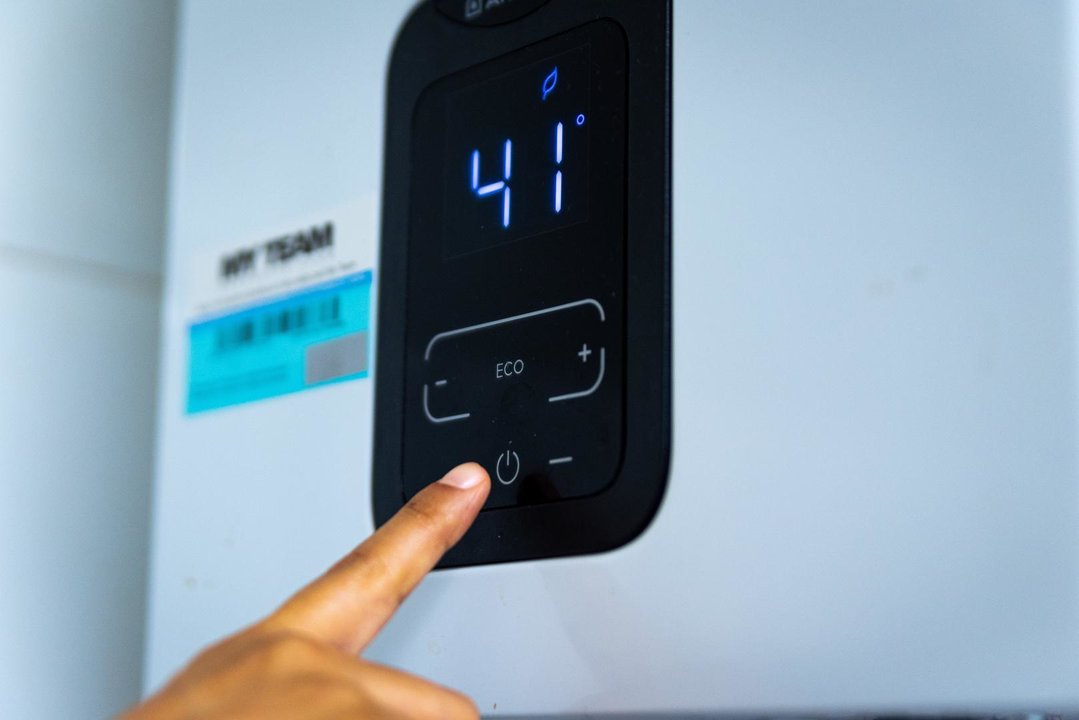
{"x": 516, "y": 462}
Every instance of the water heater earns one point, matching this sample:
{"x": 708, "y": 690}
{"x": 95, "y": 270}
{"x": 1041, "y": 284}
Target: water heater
{"x": 761, "y": 315}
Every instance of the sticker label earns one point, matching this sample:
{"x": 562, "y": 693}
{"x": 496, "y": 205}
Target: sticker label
{"x": 310, "y": 337}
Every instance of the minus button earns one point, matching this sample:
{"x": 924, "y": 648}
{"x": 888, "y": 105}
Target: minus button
{"x": 560, "y": 460}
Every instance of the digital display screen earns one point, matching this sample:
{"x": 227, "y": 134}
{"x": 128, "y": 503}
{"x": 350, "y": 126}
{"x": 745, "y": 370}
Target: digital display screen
{"x": 517, "y": 153}
{"x": 525, "y": 145}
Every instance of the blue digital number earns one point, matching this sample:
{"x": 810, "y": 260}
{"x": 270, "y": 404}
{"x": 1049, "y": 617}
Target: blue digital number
{"x": 558, "y": 173}
{"x": 499, "y": 186}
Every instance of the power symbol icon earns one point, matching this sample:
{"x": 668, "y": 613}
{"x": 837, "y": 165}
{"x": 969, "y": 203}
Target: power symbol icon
{"x": 508, "y": 467}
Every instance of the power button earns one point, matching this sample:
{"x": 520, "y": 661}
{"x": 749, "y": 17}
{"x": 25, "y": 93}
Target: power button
{"x": 508, "y": 467}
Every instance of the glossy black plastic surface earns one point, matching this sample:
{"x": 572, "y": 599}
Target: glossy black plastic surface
{"x": 486, "y": 12}
{"x": 540, "y": 349}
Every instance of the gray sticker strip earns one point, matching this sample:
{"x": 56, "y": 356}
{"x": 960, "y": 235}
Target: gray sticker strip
{"x": 336, "y": 358}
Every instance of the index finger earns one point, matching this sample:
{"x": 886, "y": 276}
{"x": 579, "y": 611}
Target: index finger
{"x": 349, "y": 604}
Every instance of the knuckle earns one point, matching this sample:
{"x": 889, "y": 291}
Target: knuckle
{"x": 373, "y": 564}
{"x": 283, "y": 651}
{"x": 371, "y": 568}
{"x": 429, "y": 521}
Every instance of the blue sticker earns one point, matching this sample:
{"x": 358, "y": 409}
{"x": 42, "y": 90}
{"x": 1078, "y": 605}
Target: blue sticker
{"x": 313, "y": 337}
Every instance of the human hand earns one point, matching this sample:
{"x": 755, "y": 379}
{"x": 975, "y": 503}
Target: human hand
{"x": 301, "y": 662}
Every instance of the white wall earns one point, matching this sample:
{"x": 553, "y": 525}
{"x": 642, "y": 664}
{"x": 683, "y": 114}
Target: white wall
{"x": 84, "y": 126}
{"x": 278, "y": 116}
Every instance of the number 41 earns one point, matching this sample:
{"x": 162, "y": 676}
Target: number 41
{"x": 503, "y": 186}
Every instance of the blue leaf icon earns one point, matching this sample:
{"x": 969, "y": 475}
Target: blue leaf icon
{"x": 549, "y": 82}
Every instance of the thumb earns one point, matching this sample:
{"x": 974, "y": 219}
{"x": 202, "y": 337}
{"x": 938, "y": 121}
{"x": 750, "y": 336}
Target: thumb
{"x": 349, "y": 604}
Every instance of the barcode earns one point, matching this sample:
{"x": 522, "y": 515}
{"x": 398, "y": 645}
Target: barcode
{"x": 323, "y": 313}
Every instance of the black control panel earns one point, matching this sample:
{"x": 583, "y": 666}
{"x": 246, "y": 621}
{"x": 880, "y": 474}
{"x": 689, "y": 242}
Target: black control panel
{"x": 524, "y": 321}
{"x": 514, "y": 319}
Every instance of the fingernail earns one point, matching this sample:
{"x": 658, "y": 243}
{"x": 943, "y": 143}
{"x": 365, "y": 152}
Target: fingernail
{"x": 464, "y": 476}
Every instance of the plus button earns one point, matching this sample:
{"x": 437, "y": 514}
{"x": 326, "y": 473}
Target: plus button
{"x": 584, "y": 353}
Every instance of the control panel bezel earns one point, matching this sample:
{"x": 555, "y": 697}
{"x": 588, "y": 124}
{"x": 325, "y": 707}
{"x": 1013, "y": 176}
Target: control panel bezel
{"x": 430, "y": 47}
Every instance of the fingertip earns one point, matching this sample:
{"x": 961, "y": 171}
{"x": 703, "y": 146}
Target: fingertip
{"x": 465, "y": 476}
{"x": 356, "y": 597}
